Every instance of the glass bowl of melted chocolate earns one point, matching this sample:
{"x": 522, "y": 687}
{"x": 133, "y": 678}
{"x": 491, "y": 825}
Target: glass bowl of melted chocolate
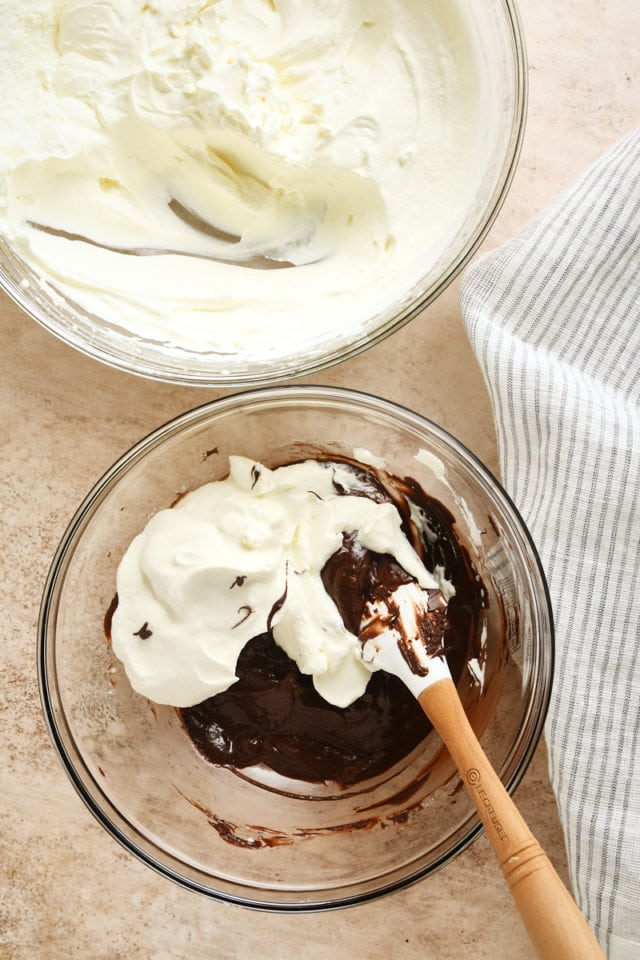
{"x": 271, "y": 772}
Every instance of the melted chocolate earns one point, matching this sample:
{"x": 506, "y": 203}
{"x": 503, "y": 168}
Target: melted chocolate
{"x": 273, "y": 714}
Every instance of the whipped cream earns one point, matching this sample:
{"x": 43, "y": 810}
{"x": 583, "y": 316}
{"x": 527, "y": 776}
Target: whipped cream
{"x": 242, "y": 555}
{"x": 154, "y": 159}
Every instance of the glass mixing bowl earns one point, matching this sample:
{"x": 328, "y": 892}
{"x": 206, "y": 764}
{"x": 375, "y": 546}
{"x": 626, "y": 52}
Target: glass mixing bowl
{"x": 252, "y": 837}
{"x": 414, "y": 281}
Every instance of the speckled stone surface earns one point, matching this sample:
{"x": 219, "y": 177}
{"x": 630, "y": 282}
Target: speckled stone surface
{"x": 66, "y": 889}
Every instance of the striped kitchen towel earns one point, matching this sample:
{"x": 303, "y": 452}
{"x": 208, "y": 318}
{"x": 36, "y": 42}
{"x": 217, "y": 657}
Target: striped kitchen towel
{"x": 554, "y": 318}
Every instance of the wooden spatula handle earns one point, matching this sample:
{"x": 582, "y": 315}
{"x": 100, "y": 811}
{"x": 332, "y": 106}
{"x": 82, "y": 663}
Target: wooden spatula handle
{"x": 556, "y": 927}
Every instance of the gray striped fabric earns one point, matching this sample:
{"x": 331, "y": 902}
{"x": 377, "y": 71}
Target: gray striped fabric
{"x": 554, "y": 317}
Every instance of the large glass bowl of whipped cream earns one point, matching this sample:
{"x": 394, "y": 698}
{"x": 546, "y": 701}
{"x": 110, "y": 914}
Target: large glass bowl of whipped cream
{"x": 238, "y": 194}
{"x": 249, "y": 834}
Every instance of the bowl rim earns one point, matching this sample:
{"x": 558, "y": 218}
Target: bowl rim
{"x": 296, "y": 367}
{"x": 276, "y": 395}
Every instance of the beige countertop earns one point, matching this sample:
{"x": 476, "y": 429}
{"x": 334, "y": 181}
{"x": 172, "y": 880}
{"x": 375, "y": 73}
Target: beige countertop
{"x": 67, "y": 890}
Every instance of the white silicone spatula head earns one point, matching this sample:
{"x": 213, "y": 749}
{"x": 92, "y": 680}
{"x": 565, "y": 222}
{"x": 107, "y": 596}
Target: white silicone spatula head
{"x": 403, "y": 634}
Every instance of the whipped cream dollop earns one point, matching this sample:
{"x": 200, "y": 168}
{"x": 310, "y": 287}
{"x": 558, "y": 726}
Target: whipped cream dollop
{"x": 158, "y": 160}
{"x": 237, "y": 557}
